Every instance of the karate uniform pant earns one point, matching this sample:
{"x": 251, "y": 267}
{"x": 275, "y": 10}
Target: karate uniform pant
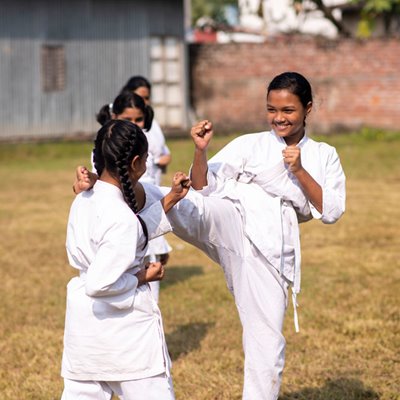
{"x": 215, "y": 226}
{"x": 154, "y": 388}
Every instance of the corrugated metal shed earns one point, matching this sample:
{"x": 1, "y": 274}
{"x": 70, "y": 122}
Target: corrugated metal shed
{"x": 61, "y": 60}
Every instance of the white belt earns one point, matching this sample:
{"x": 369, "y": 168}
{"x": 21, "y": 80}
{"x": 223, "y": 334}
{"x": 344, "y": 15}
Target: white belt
{"x": 291, "y": 218}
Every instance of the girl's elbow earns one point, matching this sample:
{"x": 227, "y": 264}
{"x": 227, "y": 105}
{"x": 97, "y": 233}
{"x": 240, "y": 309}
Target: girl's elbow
{"x": 93, "y": 290}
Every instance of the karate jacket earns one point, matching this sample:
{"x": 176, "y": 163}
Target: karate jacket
{"x": 250, "y": 171}
{"x": 113, "y": 328}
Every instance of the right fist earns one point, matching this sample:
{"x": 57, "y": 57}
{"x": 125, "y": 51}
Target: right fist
{"x": 153, "y": 272}
{"x": 202, "y": 133}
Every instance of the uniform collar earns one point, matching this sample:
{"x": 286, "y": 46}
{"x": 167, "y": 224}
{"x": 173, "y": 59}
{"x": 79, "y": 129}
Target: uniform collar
{"x": 281, "y": 140}
{"x": 105, "y": 187}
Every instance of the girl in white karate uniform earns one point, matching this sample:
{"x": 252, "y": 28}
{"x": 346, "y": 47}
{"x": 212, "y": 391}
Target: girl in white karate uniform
{"x": 114, "y": 341}
{"x": 251, "y": 196}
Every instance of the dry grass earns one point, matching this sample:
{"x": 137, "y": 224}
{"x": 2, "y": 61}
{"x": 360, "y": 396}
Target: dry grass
{"x": 348, "y": 346}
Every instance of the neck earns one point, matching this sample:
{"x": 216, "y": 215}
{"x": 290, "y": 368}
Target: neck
{"x": 294, "y": 140}
{"x": 108, "y": 178}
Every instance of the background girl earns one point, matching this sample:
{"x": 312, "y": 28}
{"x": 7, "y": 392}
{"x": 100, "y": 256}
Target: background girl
{"x": 157, "y": 162}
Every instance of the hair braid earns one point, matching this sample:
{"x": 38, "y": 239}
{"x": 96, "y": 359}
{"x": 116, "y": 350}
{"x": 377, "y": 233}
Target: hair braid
{"x": 126, "y": 184}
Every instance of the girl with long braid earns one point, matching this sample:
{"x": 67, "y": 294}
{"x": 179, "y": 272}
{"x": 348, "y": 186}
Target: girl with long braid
{"x": 113, "y": 340}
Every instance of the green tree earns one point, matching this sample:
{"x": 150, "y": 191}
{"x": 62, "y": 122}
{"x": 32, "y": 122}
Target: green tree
{"x": 387, "y": 9}
{"x": 210, "y": 8}
{"x": 369, "y": 11}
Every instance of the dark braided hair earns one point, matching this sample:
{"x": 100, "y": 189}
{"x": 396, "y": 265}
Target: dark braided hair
{"x": 126, "y": 99}
{"x": 116, "y": 145}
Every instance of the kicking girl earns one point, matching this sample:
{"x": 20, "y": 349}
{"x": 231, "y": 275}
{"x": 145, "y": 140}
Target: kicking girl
{"x": 253, "y": 194}
{"x": 268, "y": 182}
{"x": 114, "y": 341}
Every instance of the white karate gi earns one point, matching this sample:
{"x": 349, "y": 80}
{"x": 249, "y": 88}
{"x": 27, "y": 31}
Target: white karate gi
{"x": 113, "y": 328}
{"x": 246, "y": 220}
{"x": 157, "y": 149}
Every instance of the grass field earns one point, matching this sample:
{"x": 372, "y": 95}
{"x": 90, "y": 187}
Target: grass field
{"x": 349, "y": 340}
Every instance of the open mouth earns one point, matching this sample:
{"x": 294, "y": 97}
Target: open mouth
{"x": 281, "y": 127}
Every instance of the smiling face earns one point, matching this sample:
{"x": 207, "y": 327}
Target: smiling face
{"x": 286, "y": 115}
{"x": 134, "y": 115}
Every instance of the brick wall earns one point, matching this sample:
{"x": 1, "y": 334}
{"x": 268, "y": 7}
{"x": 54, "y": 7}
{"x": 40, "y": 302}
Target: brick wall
{"x": 355, "y": 83}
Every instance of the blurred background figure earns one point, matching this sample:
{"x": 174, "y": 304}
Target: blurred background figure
{"x": 158, "y": 159}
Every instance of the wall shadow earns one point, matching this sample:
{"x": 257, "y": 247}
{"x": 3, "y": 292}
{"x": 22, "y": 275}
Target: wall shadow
{"x": 186, "y": 338}
{"x": 334, "y": 389}
{"x": 175, "y": 274}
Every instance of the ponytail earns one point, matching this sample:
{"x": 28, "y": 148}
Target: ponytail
{"x": 104, "y": 115}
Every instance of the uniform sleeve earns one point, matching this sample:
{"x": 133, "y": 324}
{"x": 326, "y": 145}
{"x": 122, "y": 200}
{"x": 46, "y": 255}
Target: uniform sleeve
{"x": 333, "y": 191}
{"x": 160, "y": 147}
{"x": 110, "y": 275}
{"x": 165, "y": 150}
{"x": 155, "y": 219}
{"x": 228, "y": 163}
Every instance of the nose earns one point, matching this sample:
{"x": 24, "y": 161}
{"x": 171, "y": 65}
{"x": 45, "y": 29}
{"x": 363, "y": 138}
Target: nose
{"x": 279, "y": 117}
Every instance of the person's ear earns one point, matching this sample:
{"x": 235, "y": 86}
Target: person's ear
{"x": 308, "y": 108}
{"x": 135, "y": 164}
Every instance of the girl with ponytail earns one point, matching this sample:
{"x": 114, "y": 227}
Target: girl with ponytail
{"x": 113, "y": 340}
{"x": 129, "y": 107}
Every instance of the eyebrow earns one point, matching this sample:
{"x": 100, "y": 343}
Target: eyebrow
{"x": 291, "y": 106}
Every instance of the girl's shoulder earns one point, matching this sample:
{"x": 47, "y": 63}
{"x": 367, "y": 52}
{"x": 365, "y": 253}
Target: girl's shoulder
{"x": 109, "y": 201}
{"x": 322, "y": 150}
{"x": 254, "y": 136}
{"x": 323, "y": 146}
{"x": 248, "y": 140}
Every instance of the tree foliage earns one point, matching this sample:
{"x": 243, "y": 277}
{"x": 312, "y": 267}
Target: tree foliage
{"x": 388, "y": 9}
{"x": 210, "y": 8}
{"x": 370, "y": 10}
